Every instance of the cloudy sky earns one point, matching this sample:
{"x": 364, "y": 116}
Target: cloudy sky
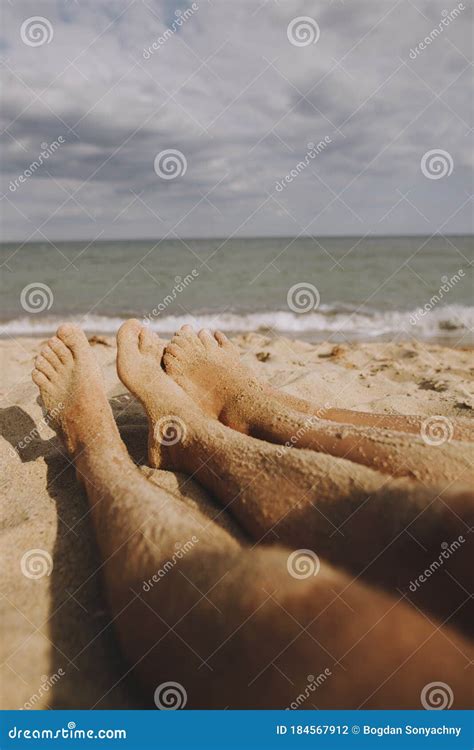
{"x": 240, "y": 100}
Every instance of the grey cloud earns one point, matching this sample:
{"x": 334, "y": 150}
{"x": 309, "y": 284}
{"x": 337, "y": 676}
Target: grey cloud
{"x": 238, "y": 117}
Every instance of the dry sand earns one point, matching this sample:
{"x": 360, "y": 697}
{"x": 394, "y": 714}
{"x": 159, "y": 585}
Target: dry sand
{"x": 58, "y": 648}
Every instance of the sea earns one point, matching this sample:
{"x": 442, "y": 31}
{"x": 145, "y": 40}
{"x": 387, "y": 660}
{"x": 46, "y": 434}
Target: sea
{"x": 327, "y": 288}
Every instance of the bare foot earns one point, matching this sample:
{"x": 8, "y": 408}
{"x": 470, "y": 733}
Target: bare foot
{"x": 72, "y": 389}
{"x": 171, "y": 412}
{"x": 209, "y": 369}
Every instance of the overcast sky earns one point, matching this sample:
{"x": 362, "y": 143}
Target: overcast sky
{"x": 241, "y": 102}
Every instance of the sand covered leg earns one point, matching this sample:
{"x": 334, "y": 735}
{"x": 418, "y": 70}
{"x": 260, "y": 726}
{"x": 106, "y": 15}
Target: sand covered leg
{"x": 351, "y": 514}
{"x": 463, "y": 430}
{"x": 184, "y": 618}
{"x": 195, "y": 618}
{"x": 208, "y": 368}
{"x": 201, "y": 370}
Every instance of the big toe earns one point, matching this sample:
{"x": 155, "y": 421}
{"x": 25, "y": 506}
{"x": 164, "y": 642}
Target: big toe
{"x": 127, "y": 337}
{"x": 74, "y": 338}
{"x": 150, "y": 343}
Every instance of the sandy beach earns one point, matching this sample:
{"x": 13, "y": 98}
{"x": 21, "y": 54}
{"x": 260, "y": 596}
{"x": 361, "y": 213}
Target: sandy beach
{"x": 58, "y": 646}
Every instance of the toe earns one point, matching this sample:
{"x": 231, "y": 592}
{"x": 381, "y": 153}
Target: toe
{"x": 222, "y": 339}
{"x": 150, "y": 343}
{"x": 45, "y": 367}
{"x": 207, "y": 339}
{"x": 73, "y": 337}
{"x": 128, "y": 333}
{"x": 184, "y": 337}
{"x": 174, "y": 350}
{"x": 48, "y": 354}
{"x": 59, "y": 350}
{"x": 171, "y": 363}
{"x": 39, "y": 378}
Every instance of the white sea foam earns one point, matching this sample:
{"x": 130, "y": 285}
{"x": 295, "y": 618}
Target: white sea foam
{"x": 449, "y": 321}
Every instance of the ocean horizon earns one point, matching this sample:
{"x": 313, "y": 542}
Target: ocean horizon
{"x": 314, "y": 288}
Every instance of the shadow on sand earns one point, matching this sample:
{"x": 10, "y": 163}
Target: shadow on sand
{"x": 93, "y": 672}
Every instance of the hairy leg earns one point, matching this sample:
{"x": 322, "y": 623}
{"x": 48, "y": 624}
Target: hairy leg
{"x": 231, "y": 626}
{"x": 207, "y": 367}
{"x": 384, "y": 528}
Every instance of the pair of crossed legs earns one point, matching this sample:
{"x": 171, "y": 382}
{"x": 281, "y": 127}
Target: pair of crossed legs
{"x": 241, "y": 625}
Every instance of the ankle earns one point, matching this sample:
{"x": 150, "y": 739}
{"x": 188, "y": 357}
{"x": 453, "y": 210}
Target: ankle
{"x": 103, "y": 444}
{"x": 243, "y": 406}
{"x": 197, "y": 443}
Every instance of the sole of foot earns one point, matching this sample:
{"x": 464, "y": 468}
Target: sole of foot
{"x": 72, "y": 388}
{"x": 169, "y": 409}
